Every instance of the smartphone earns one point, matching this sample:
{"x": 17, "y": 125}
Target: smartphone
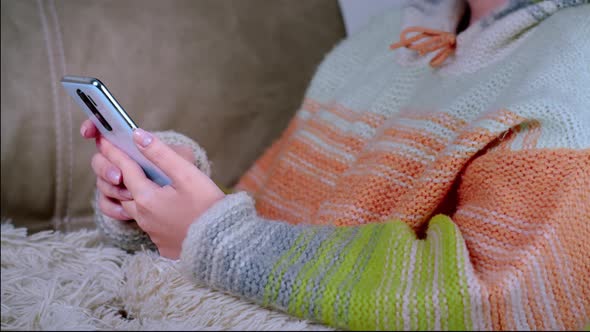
{"x": 110, "y": 118}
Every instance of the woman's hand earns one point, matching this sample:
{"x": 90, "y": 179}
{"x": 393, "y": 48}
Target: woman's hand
{"x": 108, "y": 177}
{"x": 165, "y": 213}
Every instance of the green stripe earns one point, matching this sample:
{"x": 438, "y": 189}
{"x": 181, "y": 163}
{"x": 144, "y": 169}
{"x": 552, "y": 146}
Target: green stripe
{"x": 271, "y": 290}
{"x": 371, "y": 246}
{"x": 354, "y": 281}
{"x": 339, "y": 274}
{"x": 416, "y": 294}
{"x": 367, "y": 291}
{"x": 462, "y": 274}
{"x": 403, "y": 252}
{"x": 449, "y": 273}
{"x": 425, "y": 293}
{"x": 300, "y": 304}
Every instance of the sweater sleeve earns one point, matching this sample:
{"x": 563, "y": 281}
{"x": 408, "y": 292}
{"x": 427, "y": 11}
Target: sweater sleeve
{"x": 127, "y": 234}
{"x": 496, "y": 275}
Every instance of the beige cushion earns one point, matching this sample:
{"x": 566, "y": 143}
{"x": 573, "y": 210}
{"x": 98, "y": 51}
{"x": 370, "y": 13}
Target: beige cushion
{"x": 229, "y": 74}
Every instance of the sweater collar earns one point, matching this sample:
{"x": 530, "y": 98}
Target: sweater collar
{"x": 487, "y": 39}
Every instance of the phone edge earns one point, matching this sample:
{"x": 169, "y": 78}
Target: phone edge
{"x": 105, "y": 91}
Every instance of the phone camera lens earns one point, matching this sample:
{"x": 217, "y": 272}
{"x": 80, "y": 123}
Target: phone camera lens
{"x": 93, "y": 109}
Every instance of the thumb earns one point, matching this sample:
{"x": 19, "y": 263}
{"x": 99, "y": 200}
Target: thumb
{"x": 162, "y": 155}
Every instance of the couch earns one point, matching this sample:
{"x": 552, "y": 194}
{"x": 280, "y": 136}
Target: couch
{"x": 229, "y": 74}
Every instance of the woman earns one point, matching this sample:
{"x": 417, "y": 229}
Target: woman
{"x": 439, "y": 182}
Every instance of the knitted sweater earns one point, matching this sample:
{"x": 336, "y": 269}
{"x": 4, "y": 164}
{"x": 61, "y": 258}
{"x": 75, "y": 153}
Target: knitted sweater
{"x": 403, "y": 196}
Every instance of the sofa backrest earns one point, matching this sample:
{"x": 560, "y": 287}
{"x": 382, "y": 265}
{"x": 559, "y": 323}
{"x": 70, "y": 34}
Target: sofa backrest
{"x": 229, "y": 74}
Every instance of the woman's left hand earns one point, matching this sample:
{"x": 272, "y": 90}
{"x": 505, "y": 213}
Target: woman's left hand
{"x": 164, "y": 213}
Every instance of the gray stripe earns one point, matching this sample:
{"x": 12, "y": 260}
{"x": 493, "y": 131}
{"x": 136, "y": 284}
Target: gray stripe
{"x": 256, "y": 264}
{"x": 290, "y": 285}
{"x": 320, "y": 280}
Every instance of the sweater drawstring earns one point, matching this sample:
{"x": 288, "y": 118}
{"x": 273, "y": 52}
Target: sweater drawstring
{"x": 437, "y": 40}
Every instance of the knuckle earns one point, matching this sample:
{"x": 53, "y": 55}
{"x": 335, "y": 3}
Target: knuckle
{"x": 95, "y": 161}
{"x": 143, "y": 201}
{"x": 158, "y": 152}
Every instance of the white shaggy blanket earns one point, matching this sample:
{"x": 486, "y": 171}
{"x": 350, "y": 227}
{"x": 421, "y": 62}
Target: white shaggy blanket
{"x": 71, "y": 281}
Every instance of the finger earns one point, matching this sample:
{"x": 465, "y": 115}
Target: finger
{"x": 111, "y": 191}
{"x": 104, "y": 169}
{"x": 131, "y": 209}
{"x": 112, "y": 208}
{"x": 133, "y": 176}
{"x": 185, "y": 152}
{"x": 88, "y": 129}
{"x": 170, "y": 162}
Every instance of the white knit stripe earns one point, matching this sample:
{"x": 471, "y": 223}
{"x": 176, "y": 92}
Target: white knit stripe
{"x": 436, "y": 247}
{"x": 413, "y": 303}
{"x": 497, "y": 251}
{"x": 442, "y": 283}
{"x": 272, "y": 198}
{"x": 459, "y": 151}
{"x": 57, "y": 217}
{"x": 550, "y": 294}
{"x": 509, "y": 227}
{"x": 386, "y": 270}
{"x": 323, "y": 135}
{"x": 442, "y": 133}
{"x": 255, "y": 174}
{"x": 369, "y": 173}
{"x": 526, "y": 306}
{"x": 576, "y": 305}
{"x": 515, "y": 297}
{"x": 385, "y": 171}
{"x": 487, "y": 308}
{"x": 563, "y": 260}
{"x": 542, "y": 297}
{"x": 408, "y": 285}
{"x": 475, "y": 295}
{"x": 357, "y": 128}
{"x": 303, "y": 168}
{"x": 315, "y": 143}
{"x": 462, "y": 263}
{"x": 517, "y": 143}
{"x": 334, "y": 213}
{"x": 426, "y": 149}
{"x": 412, "y": 130}
{"x": 304, "y": 114}
{"x": 497, "y": 215}
{"x": 428, "y": 286}
{"x": 398, "y": 296}
{"x": 330, "y": 176}
{"x": 242, "y": 232}
{"x": 489, "y": 126}
{"x": 404, "y": 150}
{"x": 339, "y": 207}
{"x": 392, "y": 256}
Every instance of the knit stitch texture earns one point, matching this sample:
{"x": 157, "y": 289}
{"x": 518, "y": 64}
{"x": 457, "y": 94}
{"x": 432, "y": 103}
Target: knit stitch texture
{"x": 403, "y": 196}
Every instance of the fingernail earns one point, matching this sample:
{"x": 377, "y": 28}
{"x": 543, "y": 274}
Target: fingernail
{"x": 126, "y": 193}
{"x": 83, "y": 130}
{"x": 142, "y": 137}
{"x": 114, "y": 175}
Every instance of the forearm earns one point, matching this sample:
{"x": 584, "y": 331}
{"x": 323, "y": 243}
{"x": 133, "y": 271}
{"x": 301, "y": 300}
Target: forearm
{"x": 377, "y": 276}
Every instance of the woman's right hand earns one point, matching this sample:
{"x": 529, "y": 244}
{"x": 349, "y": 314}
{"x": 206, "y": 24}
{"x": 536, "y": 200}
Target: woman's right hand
{"x": 109, "y": 181}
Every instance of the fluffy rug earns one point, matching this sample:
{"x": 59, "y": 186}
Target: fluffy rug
{"x": 71, "y": 281}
